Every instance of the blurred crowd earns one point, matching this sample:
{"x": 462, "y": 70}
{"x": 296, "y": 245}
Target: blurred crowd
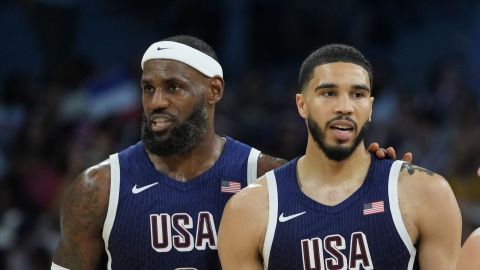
{"x": 69, "y": 93}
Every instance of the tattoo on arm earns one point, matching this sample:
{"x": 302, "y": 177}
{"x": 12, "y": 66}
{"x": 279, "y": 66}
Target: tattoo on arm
{"x": 82, "y": 217}
{"x": 82, "y": 204}
{"x": 412, "y": 168}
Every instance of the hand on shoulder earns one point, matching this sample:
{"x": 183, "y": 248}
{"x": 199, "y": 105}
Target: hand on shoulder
{"x": 388, "y": 152}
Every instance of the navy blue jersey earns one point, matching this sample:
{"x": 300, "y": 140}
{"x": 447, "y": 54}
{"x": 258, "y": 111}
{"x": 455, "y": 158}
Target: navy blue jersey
{"x": 155, "y": 222}
{"x": 365, "y": 231}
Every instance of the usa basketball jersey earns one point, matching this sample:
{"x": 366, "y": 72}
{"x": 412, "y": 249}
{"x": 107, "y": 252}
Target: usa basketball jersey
{"x": 155, "y": 222}
{"x": 365, "y": 231}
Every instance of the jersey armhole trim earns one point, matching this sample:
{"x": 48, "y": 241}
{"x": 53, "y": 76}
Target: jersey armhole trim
{"x": 395, "y": 210}
{"x": 252, "y": 165}
{"x": 272, "y": 216}
{"x": 57, "y": 267}
{"x": 112, "y": 203}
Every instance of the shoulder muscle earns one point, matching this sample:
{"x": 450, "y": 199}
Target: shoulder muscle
{"x": 243, "y": 226}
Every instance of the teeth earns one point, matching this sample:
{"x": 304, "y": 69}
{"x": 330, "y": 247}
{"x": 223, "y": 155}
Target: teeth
{"x": 342, "y": 128}
{"x": 158, "y": 122}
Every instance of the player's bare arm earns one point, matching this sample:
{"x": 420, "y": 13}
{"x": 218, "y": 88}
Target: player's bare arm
{"x": 242, "y": 228}
{"x": 468, "y": 258}
{"x": 431, "y": 215}
{"x": 83, "y": 213}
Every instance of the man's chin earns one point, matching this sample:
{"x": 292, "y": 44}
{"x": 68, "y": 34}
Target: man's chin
{"x": 160, "y": 137}
{"x": 341, "y": 145}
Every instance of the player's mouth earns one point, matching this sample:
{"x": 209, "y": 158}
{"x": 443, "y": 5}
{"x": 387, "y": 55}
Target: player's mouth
{"x": 342, "y": 130}
{"x": 159, "y": 123}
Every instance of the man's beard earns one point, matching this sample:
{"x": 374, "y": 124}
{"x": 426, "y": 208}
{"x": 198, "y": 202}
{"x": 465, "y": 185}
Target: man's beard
{"x": 182, "y": 138}
{"x": 337, "y": 153}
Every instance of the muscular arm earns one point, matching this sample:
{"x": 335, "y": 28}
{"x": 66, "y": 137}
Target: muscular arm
{"x": 435, "y": 214}
{"x": 242, "y": 228}
{"x": 469, "y": 258}
{"x": 83, "y": 212}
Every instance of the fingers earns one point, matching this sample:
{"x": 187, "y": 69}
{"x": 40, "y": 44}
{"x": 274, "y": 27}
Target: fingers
{"x": 478, "y": 172}
{"x": 381, "y": 153}
{"x": 391, "y": 153}
{"x": 408, "y": 157}
{"x": 373, "y": 147}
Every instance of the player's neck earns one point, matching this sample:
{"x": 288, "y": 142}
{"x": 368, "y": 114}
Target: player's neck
{"x": 188, "y": 165}
{"x": 316, "y": 163}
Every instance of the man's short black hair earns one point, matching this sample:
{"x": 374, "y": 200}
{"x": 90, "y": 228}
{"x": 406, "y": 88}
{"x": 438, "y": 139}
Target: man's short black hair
{"x": 195, "y": 43}
{"x": 330, "y": 54}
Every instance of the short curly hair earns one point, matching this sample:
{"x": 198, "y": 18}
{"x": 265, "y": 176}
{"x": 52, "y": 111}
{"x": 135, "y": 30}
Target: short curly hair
{"x": 329, "y": 54}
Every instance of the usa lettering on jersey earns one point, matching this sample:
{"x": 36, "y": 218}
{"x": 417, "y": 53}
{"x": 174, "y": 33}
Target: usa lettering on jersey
{"x": 335, "y": 246}
{"x": 175, "y": 231}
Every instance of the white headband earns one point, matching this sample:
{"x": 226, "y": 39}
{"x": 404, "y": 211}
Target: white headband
{"x": 185, "y": 54}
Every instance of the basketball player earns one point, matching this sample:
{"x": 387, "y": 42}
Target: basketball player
{"x": 337, "y": 206}
{"x": 157, "y": 204}
{"x": 469, "y": 258}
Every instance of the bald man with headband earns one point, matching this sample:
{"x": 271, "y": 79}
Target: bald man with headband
{"x": 158, "y": 203}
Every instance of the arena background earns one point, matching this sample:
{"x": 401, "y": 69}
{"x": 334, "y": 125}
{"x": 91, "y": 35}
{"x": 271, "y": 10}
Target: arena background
{"x": 69, "y": 73}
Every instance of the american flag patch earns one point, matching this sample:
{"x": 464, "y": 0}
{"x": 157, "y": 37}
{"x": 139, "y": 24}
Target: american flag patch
{"x": 373, "y": 208}
{"x": 230, "y": 186}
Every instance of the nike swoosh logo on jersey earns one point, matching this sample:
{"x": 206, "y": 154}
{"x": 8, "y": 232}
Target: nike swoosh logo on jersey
{"x": 282, "y": 218}
{"x": 136, "y": 190}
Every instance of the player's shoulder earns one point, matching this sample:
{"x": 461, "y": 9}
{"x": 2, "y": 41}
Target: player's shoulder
{"x": 250, "y": 199}
{"x": 86, "y": 199}
{"x": 424, "y": 189}
{"x": 267, "y": 163}
{"x": 474, "y": 238}
{"x": 468, "y": 258}
{"x": 421, "y": 179}
{"x": 94, "y": 180}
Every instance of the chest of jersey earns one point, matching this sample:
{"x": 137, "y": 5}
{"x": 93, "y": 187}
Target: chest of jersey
{"x": 161, "y": 223}
{"x": 359, "y": 233}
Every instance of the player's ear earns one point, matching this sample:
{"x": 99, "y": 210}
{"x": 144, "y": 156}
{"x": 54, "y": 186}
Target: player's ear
{"x": 371, "y": 109}
{"x": 301, "y": 105}
{"x": 216, "y": 90}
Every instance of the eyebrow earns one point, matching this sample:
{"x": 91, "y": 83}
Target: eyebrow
{"x": 325, "y": 86}
{"x": 361, "y": 87}
{"x": 332, "y": 85}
